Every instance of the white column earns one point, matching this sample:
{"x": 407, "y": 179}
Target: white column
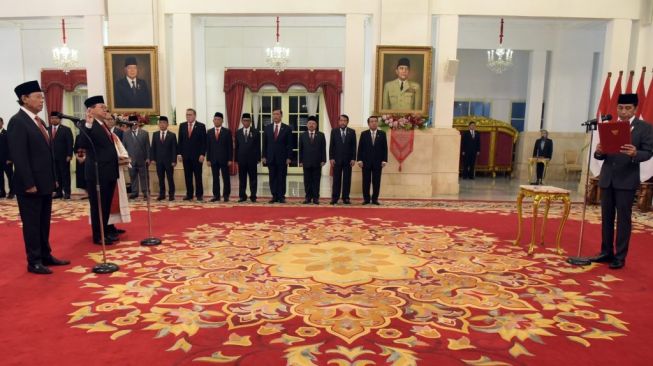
{"x": 94, "y": 54}
{"x": 446, "y": 47}
{"x": 405, "y": 22}
{"x": 354, "y": 68}
{"x": 535, "y": 89}
{"x": 183, "y": 78}
{"x": 131, "y": 22}
{"x": 616, "y": 49}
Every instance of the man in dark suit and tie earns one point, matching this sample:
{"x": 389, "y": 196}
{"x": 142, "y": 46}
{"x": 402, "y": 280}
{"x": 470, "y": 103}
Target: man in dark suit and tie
{"x": 277, "y": 153}
{"x": 62, "y": 144}
{"x": 111, "y": 123}
{"x": 34, "y": 180}
{"x": 619, "y": 179}
{"x": 192, "y": 148}
{"x": 164, "y": 153}
{"x": 342, "y": 156}
{"x": 99, "y": 149}
{"x": 471, "y": 148}
{"x": 312, "y": 157}
{"x": 543, "y": 148}
{"x": 137, "y": 144}
{"x": 6, "y": 167}
{"x": 248, "y": 155}
{"x": 372, "y": 157}
{"x": 130, "y": 91}
{"x": 219, "y": 156}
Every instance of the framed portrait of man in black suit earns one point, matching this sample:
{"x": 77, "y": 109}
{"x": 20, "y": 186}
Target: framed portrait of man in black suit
{"x": 132, "y": 79}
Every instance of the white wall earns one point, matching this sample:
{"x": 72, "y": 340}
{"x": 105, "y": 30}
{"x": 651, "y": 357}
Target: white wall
{"x": 240, "y": 42}
{"x": 10, "y": 40}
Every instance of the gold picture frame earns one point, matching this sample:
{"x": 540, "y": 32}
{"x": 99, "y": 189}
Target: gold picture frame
{"x": 140, "y": 93}
{"x": 403, "y": 94}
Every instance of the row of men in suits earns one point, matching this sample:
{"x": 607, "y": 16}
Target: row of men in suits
{"x": 6, "y": 166}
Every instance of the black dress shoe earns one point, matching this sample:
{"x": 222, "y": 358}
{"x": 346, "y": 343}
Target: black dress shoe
{"x": 333, "y": 202}
{"x": 346, "y": 201}
{"x": 56, "y": 262}
{"x": 601, "y": 258}
{"x": 160, "y": 198}
{"x": 133, "y": 196}
{"x": 66, "y": 196}
{"x": 111, "y": 236}
{"x": 215, "y": 199}
{"x": 38, "y": 268}
{"x": 200, "y": 199}
{"x": 253, "y": 199}
{"x": 188, "y": 198}
{"x": 107, "y": 241}
{"x": 115, "y": 231}
{"x": 376, "y": 203}
{"x": 226, "y": 199}
{"x": 316, "y": 201}
{"x": 616, "y": 264}
{"x": 306, "y": 201}
{"x": 366, "y": 202}
{"x": 11, "y": 196}
{"x": 242, "y": 200}
{"x": 3, "y": 194}
{"x": 281, "y": 200}
{"x": 171, "y": 198}
{"x": 272, "y": 200}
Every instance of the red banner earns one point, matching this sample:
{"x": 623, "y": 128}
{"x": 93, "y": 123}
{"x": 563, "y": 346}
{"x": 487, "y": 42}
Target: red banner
{"x": 401, "y": 144}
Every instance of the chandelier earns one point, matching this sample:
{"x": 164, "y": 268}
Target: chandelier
{"x": 277, "y": 56}
{"x": 500, "y": 59}
{"x": 64, "y": 57}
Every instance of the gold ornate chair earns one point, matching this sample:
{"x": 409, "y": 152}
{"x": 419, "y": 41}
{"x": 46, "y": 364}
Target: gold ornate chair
{"x": 571, "y": 163}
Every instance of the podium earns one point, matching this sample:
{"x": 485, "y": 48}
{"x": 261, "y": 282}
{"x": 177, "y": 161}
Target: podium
{"x": 532, "y": 164}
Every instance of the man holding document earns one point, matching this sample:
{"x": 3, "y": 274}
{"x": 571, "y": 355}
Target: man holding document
{"x": 622, "y": 148}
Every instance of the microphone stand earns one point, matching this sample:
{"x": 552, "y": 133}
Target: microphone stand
{"x": 578, "y": 260}
{"x": 104, "y": 267}
{"x": 150, "y": 240}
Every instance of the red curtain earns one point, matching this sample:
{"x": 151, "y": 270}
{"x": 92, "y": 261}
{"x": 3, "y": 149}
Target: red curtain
{"x": 234, "y": 98}
{"x": 332, "y": 99}
{"x": 54, "y": 82}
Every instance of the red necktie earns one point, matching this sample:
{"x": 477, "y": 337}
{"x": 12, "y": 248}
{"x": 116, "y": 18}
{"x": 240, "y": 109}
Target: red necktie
{"x": 43, "y": 130}
{"x": 190, "y": 129}
{"x": 312, "y": 136}
{"x": 276, "y": 131}
{"x": 217, "y": 134}
{"x": 54, "y": 132}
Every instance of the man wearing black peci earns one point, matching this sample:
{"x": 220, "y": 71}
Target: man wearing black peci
{"x": 106, "y": 157}
{"x": 192, "y": 148}
{"x": 277, "y": 152}
{"x": 164, "y": 154}
{"x": 312, "y": 157}
{"x": 248, "y": 155}
{"x": 219, "y": 153}
{"x": 342, "y": 156}
{"x": 619, "y": 179}
{"x": 62, "y": 144}
{"x": 543, "y": 148}
{"x": 372, "y": 157}
{"x": 471, "y": 148}
{"x": 34, "y": 179}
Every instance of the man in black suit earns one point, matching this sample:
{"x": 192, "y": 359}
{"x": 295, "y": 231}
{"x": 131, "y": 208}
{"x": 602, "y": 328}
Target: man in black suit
{"x": 130, "y": 91}
{"x": 277, "y": 153}
{"x": 111, "y": 123}
{"x": 619, "y": 179}
{"x": 543, "y": 148}
{"x": 34, "y": 180}
{"x": 219, "y": 156}
{"x": 99, "y": 149}
{"x": 62, "y": 144}
{"x": 137, "y": 143}
{"x": 372, "y": 157}
{"x": 164, "y": 154}
{"x": 471, "y": 147}
{"x": 192, "y": 148}
{"x": 6, "y": 167}
{"x": 342, "y": 156}
{"x": 312, "y": 157}
{"x": 248, "y": 155}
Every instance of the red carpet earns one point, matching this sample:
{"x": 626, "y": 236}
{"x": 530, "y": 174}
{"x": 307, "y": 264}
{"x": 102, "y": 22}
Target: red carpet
{"x": 409, "y": 283}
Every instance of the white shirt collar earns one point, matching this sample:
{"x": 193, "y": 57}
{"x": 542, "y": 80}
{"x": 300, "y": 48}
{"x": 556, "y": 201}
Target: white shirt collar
{"x": 29, "y": 113}
{"x": 130, "y": 80}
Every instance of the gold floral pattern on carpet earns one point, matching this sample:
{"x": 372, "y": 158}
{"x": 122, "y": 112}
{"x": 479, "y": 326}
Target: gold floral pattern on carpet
{"x": 343, "y": 290}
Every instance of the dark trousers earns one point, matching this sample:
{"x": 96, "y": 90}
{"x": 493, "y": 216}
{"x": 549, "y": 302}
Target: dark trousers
{"x": 371, "y": 175}
{"x": 62, "y": 169}
{"x": 139, "y": 179}
{"x": 619, "y": 202}
{"x": 219, "y": 170}
{"x": 312, "y": 177}
{"x": 247, "y": 170}
{"x": 163, "y": 171}
{"x": 35, "y": 211}
{"x": 540, "y": 171}
{"x": 341, "y": 179}
{"x": 277, "y": 176}
{"x": 469, "y": 165}
{"x": 193, "y": 169}
{"x": 8, "y": 170}
{"x": 106, "y": 195}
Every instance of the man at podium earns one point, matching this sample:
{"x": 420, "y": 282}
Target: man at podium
{"x": 542, "y": 152}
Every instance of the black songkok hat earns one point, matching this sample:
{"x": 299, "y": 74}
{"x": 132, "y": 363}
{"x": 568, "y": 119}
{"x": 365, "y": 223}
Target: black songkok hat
{"x": 133, "y": 118}
{"x": 54, "y": 114}
{"x": 130, "y": 61}
{"x": 627, "y": 99}
{"x": 27, "y": 88}
{"x": 403, "y": 62}
{"x": 163, "y": 118}
{"x": 218, "y": 114}
{"x": 312, "y": 118}
{"x": 90, "y": 102}
{"x": 246, "y": 116}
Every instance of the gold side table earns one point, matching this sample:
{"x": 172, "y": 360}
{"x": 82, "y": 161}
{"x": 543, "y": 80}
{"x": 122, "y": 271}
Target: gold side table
{"x": 532, "y": 162}
{"x": 539, "y": 194}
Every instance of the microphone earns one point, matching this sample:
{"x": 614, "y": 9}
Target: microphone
{"x": 74, "y": 119}
{"x": 591, "y": 122}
